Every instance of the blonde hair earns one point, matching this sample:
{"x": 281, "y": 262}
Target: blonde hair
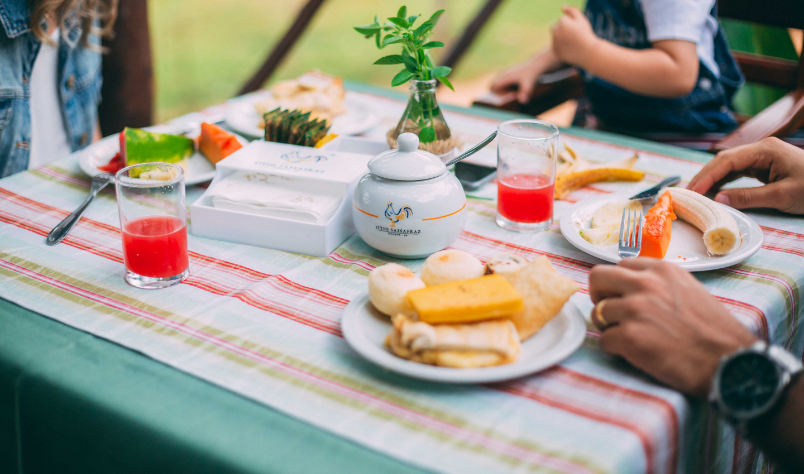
{"x": 104, "y": 12}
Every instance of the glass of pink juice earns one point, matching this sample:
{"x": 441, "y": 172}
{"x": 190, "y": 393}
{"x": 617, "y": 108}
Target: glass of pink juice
{"x": 526, "y": 171}
{"x": 153, "y": 224}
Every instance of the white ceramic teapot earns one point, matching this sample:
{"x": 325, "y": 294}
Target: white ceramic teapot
{"x": 409, "y": 205}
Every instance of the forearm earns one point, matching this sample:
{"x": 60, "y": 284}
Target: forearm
{"x": 651, "y": 72}
{"x": 547, "y": 61}
{"x": 780, "y": 434}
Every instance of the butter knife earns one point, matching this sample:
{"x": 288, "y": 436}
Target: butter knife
{"x": 63, "y": 228}
{"x": 652, "y": 192}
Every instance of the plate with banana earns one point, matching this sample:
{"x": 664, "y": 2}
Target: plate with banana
{"x": 681, "y": 226}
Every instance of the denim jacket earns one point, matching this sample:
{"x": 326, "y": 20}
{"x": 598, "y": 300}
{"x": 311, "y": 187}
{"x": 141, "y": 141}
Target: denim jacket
{"x": 79, "y": 84}
{"x": 706, "y": 109}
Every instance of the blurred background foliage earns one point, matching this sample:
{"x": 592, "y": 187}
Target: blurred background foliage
{"x": 205, "y": 50}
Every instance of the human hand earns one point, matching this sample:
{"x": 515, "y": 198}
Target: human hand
{"x": 521, "y": 77}
{"x": 777, "y": 164}
{"x": 659, "y": 318}
{"x": 573, "y": 37}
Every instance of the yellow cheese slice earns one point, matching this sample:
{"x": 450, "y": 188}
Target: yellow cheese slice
{"x": 465, "y": 301}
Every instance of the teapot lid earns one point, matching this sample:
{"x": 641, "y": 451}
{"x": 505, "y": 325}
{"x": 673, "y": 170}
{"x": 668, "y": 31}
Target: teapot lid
{"x": 408, "y": 163}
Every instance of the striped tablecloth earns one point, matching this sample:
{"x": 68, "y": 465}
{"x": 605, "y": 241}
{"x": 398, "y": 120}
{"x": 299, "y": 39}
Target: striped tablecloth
{"x": 265, "y": 324}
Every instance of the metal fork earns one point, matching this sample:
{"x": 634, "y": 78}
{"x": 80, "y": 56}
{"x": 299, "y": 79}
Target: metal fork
{"x": 630, "y": 236}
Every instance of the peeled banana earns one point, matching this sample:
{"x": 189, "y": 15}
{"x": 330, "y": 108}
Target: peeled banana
{"x": 720, "y": 230}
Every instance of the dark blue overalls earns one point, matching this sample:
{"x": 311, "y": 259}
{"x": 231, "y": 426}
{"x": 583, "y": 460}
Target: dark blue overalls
{"x": 706, "y": 109}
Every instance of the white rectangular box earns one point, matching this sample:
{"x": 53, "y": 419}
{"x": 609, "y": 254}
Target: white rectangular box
{"x": 317, "y": 239}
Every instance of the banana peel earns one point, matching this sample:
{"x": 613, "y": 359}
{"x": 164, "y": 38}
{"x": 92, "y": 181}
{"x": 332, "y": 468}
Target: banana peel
{"x": 569, "y": 182}
{"x": 575, "y": 172}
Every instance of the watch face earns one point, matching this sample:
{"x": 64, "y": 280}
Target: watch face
{"x": 748, "y": 382}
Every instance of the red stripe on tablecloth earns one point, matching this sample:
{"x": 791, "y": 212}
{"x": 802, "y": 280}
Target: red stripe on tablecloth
{"x": 482, "y": 439}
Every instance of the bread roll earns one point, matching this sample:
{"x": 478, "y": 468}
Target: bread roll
{"x": 450, "y": 265}
{"x": 505, "y": 262}
{"x": 389, "y": 286}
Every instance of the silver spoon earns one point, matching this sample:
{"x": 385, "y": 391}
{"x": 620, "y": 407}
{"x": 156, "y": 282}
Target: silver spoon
{"x": 63, "y": 228}
{"x": 473, "y": 150}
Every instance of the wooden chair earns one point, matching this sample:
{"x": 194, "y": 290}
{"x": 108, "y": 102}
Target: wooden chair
{"x": 781, "y": 119}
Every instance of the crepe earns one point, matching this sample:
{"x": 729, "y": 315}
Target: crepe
{"x": 544, "y": 292}
{"x": 319, "y": 94}
{"x": 460, "y": 346}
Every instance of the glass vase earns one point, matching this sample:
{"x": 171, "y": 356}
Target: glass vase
{"x": 422, "y": 115}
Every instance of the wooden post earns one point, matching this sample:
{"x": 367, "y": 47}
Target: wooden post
{"x": 459, "y": 48}
{"x": 278, "y": 54}
{"x": 127, "y": 95}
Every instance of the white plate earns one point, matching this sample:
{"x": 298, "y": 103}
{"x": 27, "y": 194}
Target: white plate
{"x": 365, "y": 329}
{"x": 243, "y": 118}
{"x": 686, "y": 249}
{"x": 199, "y": 169}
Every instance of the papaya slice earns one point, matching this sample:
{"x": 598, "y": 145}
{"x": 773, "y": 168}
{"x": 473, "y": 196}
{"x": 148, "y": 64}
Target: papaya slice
{"x": 658, "y": 228}
{"x": 216, "y": 143}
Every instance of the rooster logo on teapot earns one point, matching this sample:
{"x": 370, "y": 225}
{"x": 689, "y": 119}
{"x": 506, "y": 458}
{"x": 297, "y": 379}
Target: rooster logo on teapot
{"x": 396, "y": 216}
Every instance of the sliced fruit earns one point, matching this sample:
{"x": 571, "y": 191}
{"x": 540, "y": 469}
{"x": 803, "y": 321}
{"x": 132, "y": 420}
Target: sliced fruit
{"x": 601, "y": 236}
{"x": 140, "y": 146}
{"x": 114, "y": 165}
{"x": 720, "y": 232}
{"x": 216, "y": 143}
{"x": 325, "y": 140}
{"x": 569, "y": 182}
{"x": 658, "y": 228}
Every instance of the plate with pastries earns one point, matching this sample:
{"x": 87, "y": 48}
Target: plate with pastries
{"x": 461, "y": 321}
{"x": 680, "y": 226}
{"x": 322, "y": 95}
{"x": 196, "y": 152}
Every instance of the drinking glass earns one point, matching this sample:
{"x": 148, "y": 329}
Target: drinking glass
{"x": 150, "y": 198}
{"x": 526, "y": 173}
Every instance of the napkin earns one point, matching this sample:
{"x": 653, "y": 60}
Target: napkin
{"x": 284, "y": 197}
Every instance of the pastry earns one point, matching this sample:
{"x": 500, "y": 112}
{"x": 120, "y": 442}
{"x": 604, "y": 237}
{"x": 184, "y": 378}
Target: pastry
{"x": 464, "y": 301}
{"x": 504, "y": 263}
{"x": 320, "y": 94}
{"x": 450, "y": 265}
{"x": 389, "y": 286}
{"x": 544, "y": 292}
{"x": 459, "y": 346}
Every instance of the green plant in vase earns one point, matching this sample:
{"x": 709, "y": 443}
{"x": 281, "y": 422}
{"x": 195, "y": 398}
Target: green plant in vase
{"x": 422, "y": 115}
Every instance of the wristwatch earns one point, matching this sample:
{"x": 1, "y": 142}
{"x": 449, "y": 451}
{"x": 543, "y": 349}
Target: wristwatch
{"x": 749, "y": 382}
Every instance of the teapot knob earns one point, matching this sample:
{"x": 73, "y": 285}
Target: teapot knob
{"x": 407, "y": 142}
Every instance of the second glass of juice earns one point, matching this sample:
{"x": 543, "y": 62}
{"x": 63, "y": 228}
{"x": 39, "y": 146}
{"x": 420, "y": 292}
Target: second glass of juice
{"x": 150, "y": 199}
{"x": 526, "y": 172}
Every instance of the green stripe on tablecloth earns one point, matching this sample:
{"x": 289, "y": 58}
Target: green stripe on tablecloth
{"x": 235, "y": 357}
{"x": 620, "y": 140}
{"x": 71, "y": 402}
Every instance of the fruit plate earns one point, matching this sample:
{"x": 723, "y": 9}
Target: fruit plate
{"x": 243, "y": 118}
{"x": 365, "y": 328}
{"x": 686, "y": 249}
{"x": 199, "y": 169}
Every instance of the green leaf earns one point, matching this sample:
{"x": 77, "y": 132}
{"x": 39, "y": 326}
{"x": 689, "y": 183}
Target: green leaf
{"x": 391, "y": 59}
{"x": 428, "y": 61}
{"x": 412, "y": 20}
{"x": 427, "y": 135}
{"x": 390, "y": 39}
{"x": 378, "y": 40}
{"x": 434, "y": 18}
{"x": 410, "y": 64}
{"x": 433, "y": 44}
{"x": 400, "y": 22}
{"x": 402, "y": 77}
{"x": 368, "y": 30}
{"x": 403, "y": 10}
{"x": 423, "y": 30}
{"x": 446, "y": 82}
{"x": 441, "y": 71}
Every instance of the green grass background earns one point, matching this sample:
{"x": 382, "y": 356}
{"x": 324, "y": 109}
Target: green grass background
{"x": 205, "y": 50}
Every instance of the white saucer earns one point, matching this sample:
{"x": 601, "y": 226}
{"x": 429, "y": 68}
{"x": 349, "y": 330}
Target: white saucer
{"x": 243, "y": 118}
{"x": 365, "y": 329}
{"x": 686, "y": 249}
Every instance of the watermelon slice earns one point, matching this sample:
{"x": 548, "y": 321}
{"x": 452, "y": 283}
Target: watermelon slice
{"x": 139, "y": 146}
{"x": 216, "y": 143}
